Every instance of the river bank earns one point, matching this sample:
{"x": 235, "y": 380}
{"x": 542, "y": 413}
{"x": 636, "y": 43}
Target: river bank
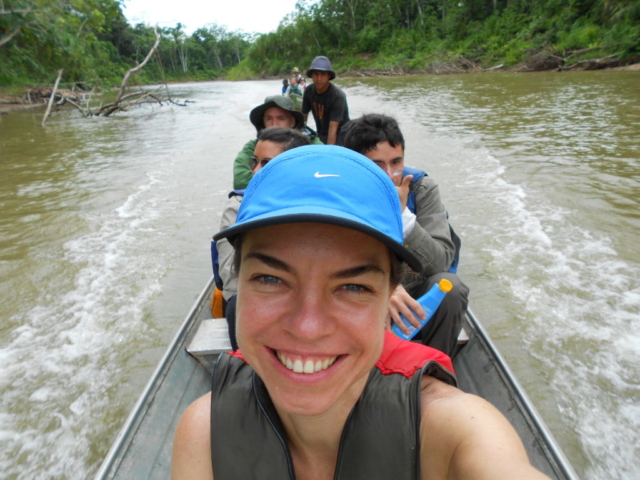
{"x": 37, "y": 97}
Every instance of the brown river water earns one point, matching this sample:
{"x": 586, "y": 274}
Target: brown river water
{"x": 105, "y": 227}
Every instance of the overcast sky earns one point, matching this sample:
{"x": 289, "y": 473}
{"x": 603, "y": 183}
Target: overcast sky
{"x": 260, "y": 16}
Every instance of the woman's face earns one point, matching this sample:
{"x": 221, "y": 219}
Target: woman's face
{"x": 312, "y": 303}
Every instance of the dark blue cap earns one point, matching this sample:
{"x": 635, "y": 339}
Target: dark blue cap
{"x": 324, "y": 184}
{"x": 321, "y": 64}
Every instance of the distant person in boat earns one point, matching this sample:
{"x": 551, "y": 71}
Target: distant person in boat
{"x": 271, "y": 142}
{"x": 285, "y": 85}
{"x": 295, "y": 93}
{"x": 326, "y": 101}
{"x": 295, "y": 72}
{"x": 425, "y": 228}
{"x": 276, "y": 111}
{"x": 320, "y": 389}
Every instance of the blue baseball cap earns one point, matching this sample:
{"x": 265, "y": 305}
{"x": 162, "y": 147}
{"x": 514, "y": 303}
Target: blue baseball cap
{"x": 324, "y": 184}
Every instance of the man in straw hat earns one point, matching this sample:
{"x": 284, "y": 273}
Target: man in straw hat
{"x": 295, "y": 72}
{"x": 276, "y": 111}
{"x": 319, "y": 388}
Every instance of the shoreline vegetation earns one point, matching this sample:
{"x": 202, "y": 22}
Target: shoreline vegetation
{"x": 96, "y": 46}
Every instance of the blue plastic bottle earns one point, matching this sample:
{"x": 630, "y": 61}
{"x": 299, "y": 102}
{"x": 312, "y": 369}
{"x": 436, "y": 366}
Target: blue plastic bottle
{"x": 430, "y": 302}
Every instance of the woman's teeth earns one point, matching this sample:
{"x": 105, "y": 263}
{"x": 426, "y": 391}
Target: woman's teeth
{"x": 307, "y": 366}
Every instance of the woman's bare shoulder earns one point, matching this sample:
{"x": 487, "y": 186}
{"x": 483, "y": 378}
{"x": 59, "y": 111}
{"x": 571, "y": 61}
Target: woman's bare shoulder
{"x": 464, "y": 436}
{"x": 191, "y": 456}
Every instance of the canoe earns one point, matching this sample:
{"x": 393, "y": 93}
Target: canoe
{"x": 143, "y": 447}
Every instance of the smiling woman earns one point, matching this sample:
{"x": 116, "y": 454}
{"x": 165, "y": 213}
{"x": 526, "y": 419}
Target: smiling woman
{"x": 318, "y": 388}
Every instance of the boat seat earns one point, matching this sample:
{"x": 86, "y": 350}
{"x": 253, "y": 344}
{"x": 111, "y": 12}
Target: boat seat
{"x": 210, "y": 339}
{"x": 463, "y": 336}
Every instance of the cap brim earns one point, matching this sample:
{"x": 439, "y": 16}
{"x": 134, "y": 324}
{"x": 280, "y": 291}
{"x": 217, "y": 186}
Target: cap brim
{"x": 331, "y": 76}
{"x": 326, "y": 216}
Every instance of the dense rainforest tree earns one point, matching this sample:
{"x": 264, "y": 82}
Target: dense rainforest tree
{"x": 94, "y": 43}
{"x": 416, "y": 33}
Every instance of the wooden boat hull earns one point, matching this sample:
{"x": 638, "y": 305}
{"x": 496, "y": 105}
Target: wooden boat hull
{"x": 143, "y": 447}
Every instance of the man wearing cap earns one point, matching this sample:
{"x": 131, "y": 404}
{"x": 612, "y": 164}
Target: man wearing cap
{"x": 426, "y": 232}
{"x": 325, "y": 101}
{"x": 319, "y": 389}
{"x": 276, "y": 111}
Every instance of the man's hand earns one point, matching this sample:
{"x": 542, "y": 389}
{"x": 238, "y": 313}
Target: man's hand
{"x": 403, "y": 303}
{"x": 403, "y": 191}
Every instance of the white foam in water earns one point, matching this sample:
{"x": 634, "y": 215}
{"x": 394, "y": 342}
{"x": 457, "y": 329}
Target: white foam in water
{"x": 581, "y": 305}
{"x": 576, "y": 301}
{"x": 70, "y": 341}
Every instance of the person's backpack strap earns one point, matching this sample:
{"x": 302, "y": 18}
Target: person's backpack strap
{"x": 456, "y": 256}
{"x": 215, "y": 263}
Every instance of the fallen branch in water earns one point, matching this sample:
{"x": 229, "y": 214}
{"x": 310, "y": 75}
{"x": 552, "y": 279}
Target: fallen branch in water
{"x": 53, "y": 94}
{"x": 594, "y": 63}
{"x": 115, "y": 106}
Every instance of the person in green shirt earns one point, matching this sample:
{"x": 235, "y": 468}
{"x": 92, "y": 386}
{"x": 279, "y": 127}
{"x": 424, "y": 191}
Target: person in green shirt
{"x": 276, "y": 111}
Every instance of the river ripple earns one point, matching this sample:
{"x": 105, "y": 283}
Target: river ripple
{"x": 106, "y": 222}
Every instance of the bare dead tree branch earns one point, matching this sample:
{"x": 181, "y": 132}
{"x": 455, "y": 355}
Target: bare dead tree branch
{"x": 53, "y": 94}
{"x": 125, "y": 80}
{"x": 14, "y": 11}
{"x": 82, "y": 111}
{"x": 7, "y": 38}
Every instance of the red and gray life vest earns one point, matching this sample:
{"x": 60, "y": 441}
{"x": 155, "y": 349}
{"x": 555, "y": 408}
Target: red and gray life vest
{"x": 380, "y": 441}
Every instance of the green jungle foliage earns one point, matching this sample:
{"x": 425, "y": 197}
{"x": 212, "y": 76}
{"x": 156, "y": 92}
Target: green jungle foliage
{"x": 414, "y": 34}
{"x": 93, "y": 42}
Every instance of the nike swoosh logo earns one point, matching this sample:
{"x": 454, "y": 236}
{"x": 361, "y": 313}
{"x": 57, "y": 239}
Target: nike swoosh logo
{"x": 323, "y": 175}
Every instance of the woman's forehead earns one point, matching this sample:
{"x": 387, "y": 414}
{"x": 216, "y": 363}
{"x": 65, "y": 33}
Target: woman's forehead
{"x": 316, "y": 237}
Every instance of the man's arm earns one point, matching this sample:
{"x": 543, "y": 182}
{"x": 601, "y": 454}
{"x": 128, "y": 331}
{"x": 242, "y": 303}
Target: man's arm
{"x": 191, "y": 457}
{"x": 306, "y": 103}
{"x": 463, "y": 437}
{"x": 430, "y": 239}
{"x": 242, "y": 166}
{"x": 333, "y": 133}
{"x": 336, "y": 107}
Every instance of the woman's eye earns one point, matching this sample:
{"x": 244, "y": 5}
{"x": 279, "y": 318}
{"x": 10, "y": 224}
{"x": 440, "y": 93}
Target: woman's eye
{"x": 268, "y": 279}
{"x": 352, "y": 287}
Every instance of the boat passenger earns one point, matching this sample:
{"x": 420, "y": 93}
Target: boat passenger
{"x": 294, "y": 92}
{"x": 426, "y": 233}
{"x": 295, "y": 72}
{"x": 285, "y": 85}
{"x": 319, "y": 389}
{"x": 271, "y": 142}
{"x": 326, "y": 101}
{"x": 276, "y": 111}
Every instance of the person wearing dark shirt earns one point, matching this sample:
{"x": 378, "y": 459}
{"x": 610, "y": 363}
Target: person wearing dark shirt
{"x": 325, "y": 101}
